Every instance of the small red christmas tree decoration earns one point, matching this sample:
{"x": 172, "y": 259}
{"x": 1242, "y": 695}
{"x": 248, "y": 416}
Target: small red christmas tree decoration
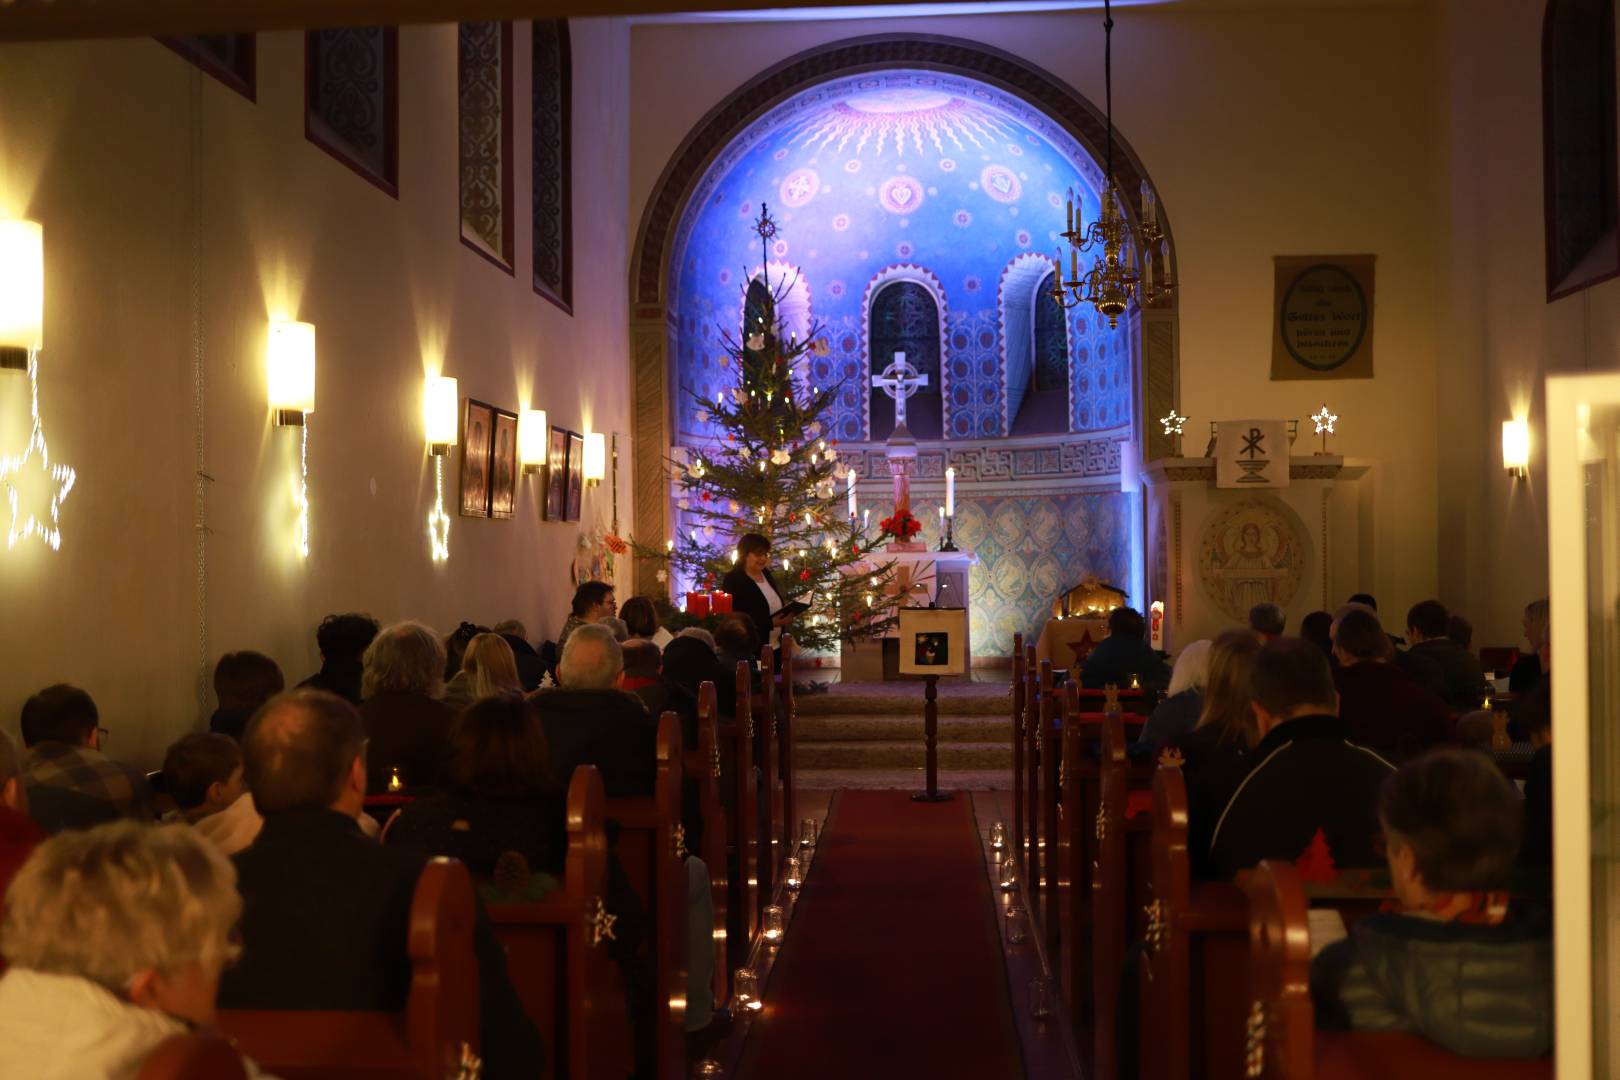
{"x": 1315, "y": 863}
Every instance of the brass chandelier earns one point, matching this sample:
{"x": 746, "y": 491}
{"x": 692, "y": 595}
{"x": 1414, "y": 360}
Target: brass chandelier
{"x": 1130, "y": 261}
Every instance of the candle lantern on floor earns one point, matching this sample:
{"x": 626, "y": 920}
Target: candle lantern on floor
{"x": 1009, "y": 873}
{"x": 773, "y": 923}
{"x": 1017, "y": 927}
{"x": 1040, "y": 998}
{"x": 790, "y": 874}
{"x": 395, "y": 782}
{"x": 808, "y": 829}
{"x": 998, "y": 837}
{"x": 745, "y": 990}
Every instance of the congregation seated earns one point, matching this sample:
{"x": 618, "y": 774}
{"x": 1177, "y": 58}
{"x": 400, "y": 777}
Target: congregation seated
{"x": 1527, "y": 672}
{"x": 1382, "y": 706}
{"x": 488, "y": 667}
{"x": 326, "y": 910}
{"x": 1305, "y": 777}
{"x": 621, "y": 632}
{"x": 736, "y": 640}
{"x": 1215, "y": 754}
{"x": 242, "y": 682}
{"x": 1268, "y": 621}
{"x": 500, "y": 814}
{"x": 406, "y": 723}
{"x": 593, "y": 600}
{"x": 1317, "y": 628}
{"x": 1178, "y": 713}
{"x": 455, "y": 649}
{"x": 1123, "y": 654}
{"x": 1432, "y": 655}
{"x": 640, "y": 617}
{"x": 531, "y": 668}
{"x": 115, "y": 939}
{"x": 1460, "y": 630}
{"x": 202, "y": 773}
{"x": 1458, "y": 962}
{"x": 590, "y": 720}
{"x": 342, "y": 640}
{"x": 71, "y": 782}
{"x": 689, "y": 663}
{"x": 1534, "y": 718}
{"x": 19, "y": 835}
{"x": 700, "y": 634}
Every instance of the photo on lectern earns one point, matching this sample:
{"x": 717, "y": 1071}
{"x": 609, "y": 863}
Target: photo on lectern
{"x": 933, "y": 641}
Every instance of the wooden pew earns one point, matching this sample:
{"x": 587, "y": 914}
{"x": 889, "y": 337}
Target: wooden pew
{"x": 440, "y": 1021}
{"x": 742, "y": 824}
{"x": 651, "y": 851}
{"x": 1192, "y": 1006}
{"x": 1282, "y": 1042}
{"x": 1032, "y": 778}
{"x": 703, "y": 768}
{"x": 788, "y": 717}
{"x": 770, "y": 810}
{"x": 557, "y": 961}
{"x": 1051, "y": 718}
{"x": 1019, "y": 689}
{"x": 195, "y": 1055}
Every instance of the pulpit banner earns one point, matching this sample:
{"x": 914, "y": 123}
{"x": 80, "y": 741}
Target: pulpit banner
{"x": 1251, "y": 453}
{"x": 1322, "y": 326}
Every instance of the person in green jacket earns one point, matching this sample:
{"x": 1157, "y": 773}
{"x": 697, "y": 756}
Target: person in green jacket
{"x": 1457, "y": 961}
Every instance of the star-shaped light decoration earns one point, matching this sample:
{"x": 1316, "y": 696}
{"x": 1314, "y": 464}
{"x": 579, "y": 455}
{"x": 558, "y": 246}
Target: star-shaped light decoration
{"x": 438, "y": 520}
{"x": 36, "y": 455}
{"x": 602, "y": 924}
{"x": 1324, "y": 421}
{"x": 1174, "y": 423}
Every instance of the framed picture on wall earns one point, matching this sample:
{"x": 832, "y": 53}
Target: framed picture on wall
{"x": 503, "y": 465}
{"x": 576, "y": 474}
{"x": 933, "y": 641}
{"x": 556, "y": 503}
{"x": 477, "y": 429}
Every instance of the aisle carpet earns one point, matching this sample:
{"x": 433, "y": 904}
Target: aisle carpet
{"x": 892, "y": 965}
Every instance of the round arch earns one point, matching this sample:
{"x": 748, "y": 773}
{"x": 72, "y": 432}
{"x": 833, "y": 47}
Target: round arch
{"x": 653, "y": 327}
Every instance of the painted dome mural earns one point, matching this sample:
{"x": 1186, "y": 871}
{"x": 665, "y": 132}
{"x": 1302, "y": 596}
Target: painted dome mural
{"x": 905, "y": 176}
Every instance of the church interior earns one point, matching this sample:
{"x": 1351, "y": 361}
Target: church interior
{"x": 1007, "y": 539}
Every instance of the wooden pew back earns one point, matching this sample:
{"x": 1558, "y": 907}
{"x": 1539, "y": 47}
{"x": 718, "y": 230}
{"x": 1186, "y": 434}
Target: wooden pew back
{"x": 787, "y": 719}
{"x": 770, "y": 811}
{"x": 195, "y": 1055}
{"x": 440, "y": 1022}
{"x": 1110, "y": 898}
{"x": 1019, "y": 689}
{"x": 703, "y": 768}
{"x": 742, "y": 824}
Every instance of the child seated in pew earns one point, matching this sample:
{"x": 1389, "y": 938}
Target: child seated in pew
{"x": 1457, "y": 961}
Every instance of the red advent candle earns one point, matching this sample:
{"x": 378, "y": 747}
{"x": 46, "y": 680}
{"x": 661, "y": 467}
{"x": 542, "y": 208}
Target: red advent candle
{"x": 697, "y": 604}
{"x": 720, "y": 603}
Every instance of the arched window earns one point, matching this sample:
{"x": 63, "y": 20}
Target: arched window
{"x": 1035, "y": 343}
{"x": 1051, "y": 342}
{"x": 905, "y": 319}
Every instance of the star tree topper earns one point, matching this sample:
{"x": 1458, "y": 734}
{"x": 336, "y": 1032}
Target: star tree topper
{"x": 36, "y": 455}
{"x": 1324, "y": 421}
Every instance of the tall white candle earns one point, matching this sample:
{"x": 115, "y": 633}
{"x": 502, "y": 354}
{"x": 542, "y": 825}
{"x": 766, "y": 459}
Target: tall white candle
{"x": 851, "y": 487}
{"x": 950, "y": 492}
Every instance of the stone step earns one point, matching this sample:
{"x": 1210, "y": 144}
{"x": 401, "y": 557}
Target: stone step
{"x": 996, "y": 702}
{"x": 986, "y": 729}
{"x": 910, "y": 753}
{"x": 955, "y": 780}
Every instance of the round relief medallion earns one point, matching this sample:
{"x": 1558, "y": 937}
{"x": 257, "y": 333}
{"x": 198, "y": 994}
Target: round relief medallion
{"x": 1001, "y": 183}
{"x": 900, "y": 195}
{"x": 800, "y": 187}
{"x": 1252, "y": 552}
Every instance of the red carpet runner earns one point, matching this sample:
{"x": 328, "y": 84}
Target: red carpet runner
{"x": 892, "y": 965}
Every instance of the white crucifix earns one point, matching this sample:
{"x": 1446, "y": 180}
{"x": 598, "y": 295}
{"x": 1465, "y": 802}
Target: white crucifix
{"x": 900, "y": 380}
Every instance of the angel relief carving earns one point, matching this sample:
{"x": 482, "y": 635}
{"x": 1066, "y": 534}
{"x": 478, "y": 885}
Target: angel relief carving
{"x": 1251, "y": 553}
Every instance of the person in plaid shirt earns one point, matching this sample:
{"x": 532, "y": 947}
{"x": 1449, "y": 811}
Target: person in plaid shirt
{"x": 71, "y": 782}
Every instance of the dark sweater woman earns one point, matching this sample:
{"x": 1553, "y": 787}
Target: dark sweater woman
{"x": 753, "y": 590}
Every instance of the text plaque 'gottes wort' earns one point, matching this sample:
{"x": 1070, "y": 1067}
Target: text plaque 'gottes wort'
{"x": 1323, "y": 321}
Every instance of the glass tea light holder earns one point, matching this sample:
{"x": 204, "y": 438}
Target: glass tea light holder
{"x": 998, "y": 837}
{"x": 1017, "y": 926}
{"x": 773, "y": 927}
{"x": 791, "y": 871}
{"x": 745, "y": 990}
{"x": 396, "y": 783}
{"x": 1041, "y": 998}
{"x": 1009, "y": 873}
{"x": 809, "y": 832}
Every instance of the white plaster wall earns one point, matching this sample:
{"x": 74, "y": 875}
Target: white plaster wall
{"x": 179, "y": 217}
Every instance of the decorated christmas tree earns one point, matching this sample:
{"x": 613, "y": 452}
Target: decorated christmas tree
{"x": 770, "y": 469}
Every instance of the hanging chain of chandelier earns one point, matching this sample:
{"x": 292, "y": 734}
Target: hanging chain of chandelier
{"x": 1130, "y": 262}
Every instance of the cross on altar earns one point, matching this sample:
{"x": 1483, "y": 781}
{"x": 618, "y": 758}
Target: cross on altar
{"x": 900, "y": 380}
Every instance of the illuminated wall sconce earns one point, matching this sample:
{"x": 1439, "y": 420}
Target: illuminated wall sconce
{"x": 532, "y": 433}
{"x": 22, "y": 292}
{"x": 440, "y": 399}
{"x": 595, "y": 457}
{"x": 1516, "y": 447}
{"x": 290, "y": 368}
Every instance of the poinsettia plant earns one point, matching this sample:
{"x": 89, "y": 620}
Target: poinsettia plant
{"x": 901, "y": 525}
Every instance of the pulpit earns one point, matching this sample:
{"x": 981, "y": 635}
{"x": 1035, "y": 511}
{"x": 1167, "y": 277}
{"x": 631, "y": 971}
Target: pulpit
{"x": 1302, "y": 543}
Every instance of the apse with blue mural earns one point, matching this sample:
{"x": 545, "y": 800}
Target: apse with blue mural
{"x": 920, "y": 212}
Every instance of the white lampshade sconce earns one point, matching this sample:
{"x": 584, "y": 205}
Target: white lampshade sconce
{"x": 595, "y": 457}
{"x": 22, "y": 292}
{"x": 289, "y": 363}
{"x": 440, "y": 421}
{"x": 1516, "y": 448}
{"x": 532, "y": 433}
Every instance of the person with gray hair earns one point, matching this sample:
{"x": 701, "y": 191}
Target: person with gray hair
{"x": 591, "y": 720}
{"x": 620, "y": 628}
{"x": 116, "y": 938}
{"x": 700, "y": 634}
{"x": 326, "y": 912}
{"x": 407, "y": 724}
{"x": 19, "y": 835}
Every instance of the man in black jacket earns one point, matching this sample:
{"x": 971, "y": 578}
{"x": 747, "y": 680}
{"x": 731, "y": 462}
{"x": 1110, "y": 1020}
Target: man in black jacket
{"x": 1306, "y": 775}
{"x": 326, "y": 911}
{"x": 1122, "y": 654}
{"x": 589, "y": 720}
{"x": 342, "y": 640}
{"x": 1462, "y": 678}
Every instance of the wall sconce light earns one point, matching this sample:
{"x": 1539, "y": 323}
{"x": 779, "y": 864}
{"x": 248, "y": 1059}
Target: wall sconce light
{"x": 439, "y": 401}
{"x": 532, "y": 433}
{"x": 22, "y": 292}
{"x": 595, "y": 457}
{"x": 290, "y": 366}
{"x": 1516, "y": 447}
